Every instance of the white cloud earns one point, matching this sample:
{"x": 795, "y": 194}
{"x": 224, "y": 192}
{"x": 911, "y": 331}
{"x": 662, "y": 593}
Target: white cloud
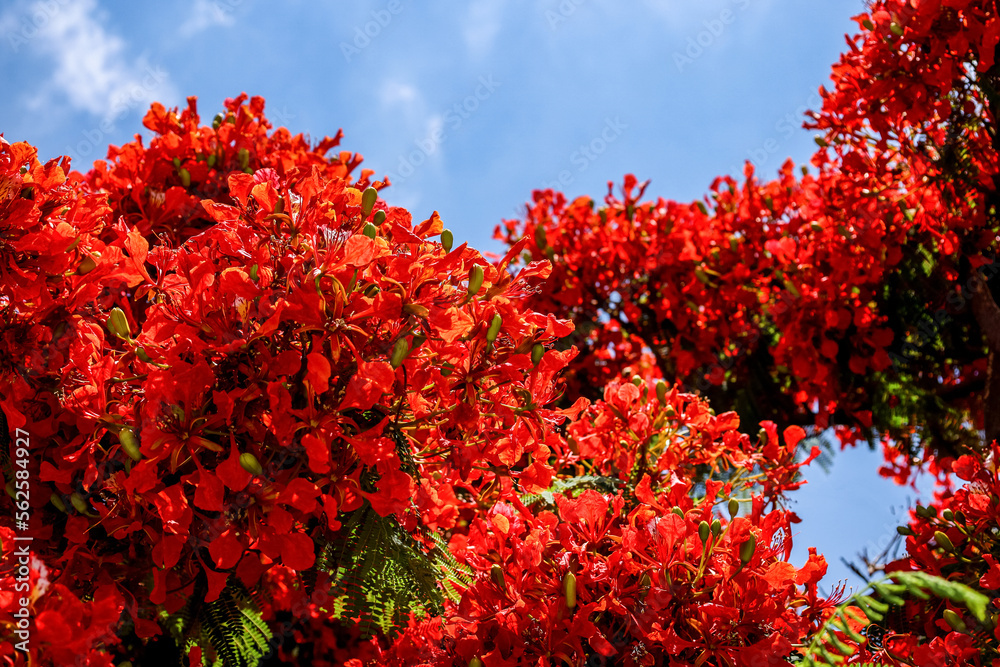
{"x": 394, "y": 93}
{"x": 206, "y": 14}
{"x": 481, "y": 25}
{"x": 93, "y": 70}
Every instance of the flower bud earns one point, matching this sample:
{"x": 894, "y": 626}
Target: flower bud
{"x": 925, "y": 512}
{"x": 399, "y": 352}
{"x": 637, "y": 380}
{"x": 540, "y": 239}
{"x": 716, "y": 528}
{"x": 447, "y": 240}
{"x": 475, "y": 662}
{"x": 217, "y": 121}
{"x": 57, "y": 502}
{"x": 118, "y": 323}
{"x": 954, "y": 620}
{"x": 569, "y": 589}
{"x": 948, "y": 515}
{"x": 250, "y": 463}
{"x": 734, "y": 508}
{"x": 378, "y": 218}
{"x": 537, "y": 351}
{"x": 129, "y": 443}
{"x": 496, "y": 574}
{"x": 494, "y": 330}
{"x": 369, "y": 230}
{"x": 904, "y": 530}
{"x": 704, "y": 530}
{"x": 79, "y": 504}
{"x": 185, "y": 176}
{"x": 661, "y": 391}
{"x": 86, "y": 266}
{"x": 140, "y": 352}
{"x": 254, "y": 272}
{"x": 476, "y": 277}
{"x": 368, "y": 198}
{"x": 747, "y": 549}
{"x": 211, "y": 160}
{"x": 943, "y": 541}
{"x": 243, "y": 159}
{"x": 177, "y": 162}
{"x": 678, "y": 511}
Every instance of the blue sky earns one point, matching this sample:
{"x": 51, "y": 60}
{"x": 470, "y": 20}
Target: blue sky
{"x": 468, "y": 107}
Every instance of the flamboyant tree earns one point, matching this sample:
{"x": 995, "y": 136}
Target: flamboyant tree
{"x": 257, "y": 416}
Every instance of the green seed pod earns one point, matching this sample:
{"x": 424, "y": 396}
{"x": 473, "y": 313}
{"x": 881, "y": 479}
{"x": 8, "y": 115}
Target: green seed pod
{"x": 217, "y": 121}
{"x": 494, "y": 330}
{"x": 704, "y": 530}
{"x": 243, "y": 158}
{"x": 540, "y": 239}
{"x": 368, "y": 199}
{"x": 254, "y": 272}
{"x": 954, "y": 620}
{"x": 537, "y": 351}
{"x": 943, "y": 541}
{"x": 79, "y": 504}
{"x": 734, "y": 508}
{"x": 118, "y": 323}
{"x": 716, "y": 528}
{"x": 399, "y": 352}
{"x": 185, "y": 177}
{"x": 447, "y": 240}
{"x": 250, "y": 463}
{"x": 661, "y": 391}
{"x": 569, "y": 589}
{"x": 370, "y": 230}
{"x": 476, "y": 277}
{"x": 57, "y": 502}
{"x": 904, "y": 530}
{"x": 496, "y": 574}
{"x": 130, "y": 443}
{"x": 747, "y": 549}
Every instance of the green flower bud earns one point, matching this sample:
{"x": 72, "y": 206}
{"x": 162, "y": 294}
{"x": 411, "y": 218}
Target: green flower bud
{"x": 569, "y": 589}
{"x": 177, "y": 162}
{"x": 243, "y": 159}
{"x": 378, "y": 218}
{"x": 716, "y": 528}
{"x": 537, "y": 350}
{"x": 954, "y": 620}
{"x": 476, "y": 277}
{"x": 904, "y": 530}
{"x": 661, "y": 391}
{"x": 496, "y": 574}
{"x": 948, "y": 515}
{"x": 254, "y": 272}
{"x": 368, "y": 199}
{"x": 943, "y": 541}
{"x": 57, "y": 502}
{"x": 217, "y": 121}
{"x": 704, "y": 530}
{"x": 212, "y": 159}
{"x": 734, "y": 508}
{"x": 370, "y": 230}
{"x": 79, "y": 504}
{"x": 475, "y": 662}
{"x": 140, "y": 352}
{"x": 130, "y": 443}
{"x": 447, "y": 240}
{"x": 494, "y": 330}
{"x": 185, "y": 177}
{"x": 540, "y": 240}
{"x": 399, "y": 352}
{"x": 678, "y": 511}
{"x": 637, "y": 380}
{"x": 747, "y": 549}
{"x": 250, "y": 463}
{"x": 118, "y": 323}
